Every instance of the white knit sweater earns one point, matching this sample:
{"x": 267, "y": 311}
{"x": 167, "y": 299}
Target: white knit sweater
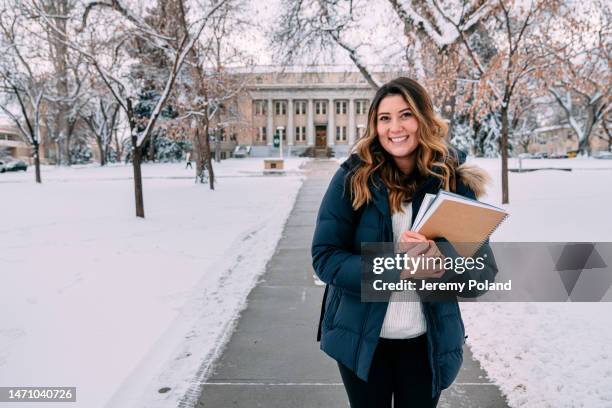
{"x": 404, "y": 318}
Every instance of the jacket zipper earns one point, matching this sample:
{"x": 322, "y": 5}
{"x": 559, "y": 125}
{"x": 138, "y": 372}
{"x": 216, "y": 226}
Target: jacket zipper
{"x": 381, "y": 236}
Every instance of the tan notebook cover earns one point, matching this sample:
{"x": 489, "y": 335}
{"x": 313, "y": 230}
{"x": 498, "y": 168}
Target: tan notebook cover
{"x": 465, "y": 225}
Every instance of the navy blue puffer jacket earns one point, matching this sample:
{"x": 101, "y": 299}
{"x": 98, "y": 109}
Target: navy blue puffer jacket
{"x": 349, "y": 328}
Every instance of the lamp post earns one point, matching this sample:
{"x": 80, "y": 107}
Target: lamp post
{"x": 280, "y": 141}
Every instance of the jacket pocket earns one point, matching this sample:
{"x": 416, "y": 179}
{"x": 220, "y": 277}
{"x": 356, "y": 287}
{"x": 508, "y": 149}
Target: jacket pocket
{"x": 330, "y": 312}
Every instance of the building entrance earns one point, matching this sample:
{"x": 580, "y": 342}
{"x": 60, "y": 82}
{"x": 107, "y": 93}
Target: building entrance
{"x": 320, "y": 136}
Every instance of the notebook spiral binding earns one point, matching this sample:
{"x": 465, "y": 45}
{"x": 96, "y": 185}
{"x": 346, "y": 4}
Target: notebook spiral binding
{"x": 480, "y": 244}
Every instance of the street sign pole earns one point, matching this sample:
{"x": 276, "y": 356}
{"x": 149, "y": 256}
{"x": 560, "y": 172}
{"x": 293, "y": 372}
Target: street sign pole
{"x": 280, "y": 130}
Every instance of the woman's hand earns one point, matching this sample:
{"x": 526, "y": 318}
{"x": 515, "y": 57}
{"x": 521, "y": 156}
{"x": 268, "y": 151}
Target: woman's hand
{"x": 419, "y": 245}
{"x": 414, "y": 243}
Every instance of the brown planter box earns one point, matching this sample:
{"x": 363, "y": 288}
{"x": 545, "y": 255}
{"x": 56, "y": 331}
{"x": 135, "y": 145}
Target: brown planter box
{"x": 273, "y": 164}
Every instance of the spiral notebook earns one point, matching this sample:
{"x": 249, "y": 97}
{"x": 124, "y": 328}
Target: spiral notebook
{"x": 464, "y": 222}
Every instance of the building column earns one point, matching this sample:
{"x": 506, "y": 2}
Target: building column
{"x": 331, "y": 126}
{"x": 351, "y": 124}
{"x": 290, "y": 129}
{"x": 310, "y": 124}
{"x": 270, "y": 126}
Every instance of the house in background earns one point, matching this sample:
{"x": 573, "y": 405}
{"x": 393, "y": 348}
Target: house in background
{"x": 11, "y": 142}
{"x": 561, "y": 139}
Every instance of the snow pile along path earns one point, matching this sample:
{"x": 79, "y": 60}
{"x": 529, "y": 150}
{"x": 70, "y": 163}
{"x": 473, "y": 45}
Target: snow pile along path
{"x": 549, "y": 354}
{"x": 120, "y": 307}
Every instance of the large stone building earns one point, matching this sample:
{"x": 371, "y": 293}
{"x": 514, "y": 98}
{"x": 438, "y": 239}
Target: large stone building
{"x": 326, "y": 108}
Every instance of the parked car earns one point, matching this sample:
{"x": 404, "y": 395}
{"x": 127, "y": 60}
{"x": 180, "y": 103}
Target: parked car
{"x": 603, "y": 155}
{"x": 242, "y": 151}
{"x": 536, "y": 155}
{"x": 558, "y": 156}
{"x": 14, "y": 165}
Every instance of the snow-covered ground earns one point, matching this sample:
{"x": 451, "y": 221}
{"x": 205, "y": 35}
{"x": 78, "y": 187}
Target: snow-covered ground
{"x": 120, "y": 307}
{"x": 549, "y": 354}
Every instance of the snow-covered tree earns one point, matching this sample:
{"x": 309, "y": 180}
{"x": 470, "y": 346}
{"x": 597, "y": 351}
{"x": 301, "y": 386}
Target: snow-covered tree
{"x": 101, "y": 116}
{"x": 312, "y": 29}
{"x": 209, "y": 86}
{"x": 508, "y": 76}
{"x": 581, "y": 80}
{"x": 463, "y": 135}
{"x": 64, "y": 86}
{"x": 114, "y": 31}
{"x": 23, "y": 77}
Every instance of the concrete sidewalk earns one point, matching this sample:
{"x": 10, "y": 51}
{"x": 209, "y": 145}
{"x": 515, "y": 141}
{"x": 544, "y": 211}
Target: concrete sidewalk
{"x": 273, "y": 359}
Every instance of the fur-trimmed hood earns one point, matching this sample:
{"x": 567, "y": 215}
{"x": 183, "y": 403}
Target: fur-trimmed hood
{"x": 474, "y": 178}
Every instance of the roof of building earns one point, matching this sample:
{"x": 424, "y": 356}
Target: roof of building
{"x": 299, "y": 69}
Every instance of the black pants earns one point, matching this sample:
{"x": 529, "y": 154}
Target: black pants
{"x": 400, "y": 368}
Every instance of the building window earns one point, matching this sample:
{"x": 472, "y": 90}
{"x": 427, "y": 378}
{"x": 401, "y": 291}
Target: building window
{"x": 300, "y": 133}
{"x": 321, "y": 108}
{"x": 280, "y": 107}
{"x": 300, "y": 108}
{"x": 340, "y": 133}
{"x": 361, "y": 107}
{"x": 261, "y": 133}
{"x": 261, "y": 108}
{"x": 341, "y": 108}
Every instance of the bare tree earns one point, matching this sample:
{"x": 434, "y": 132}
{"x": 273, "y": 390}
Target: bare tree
{"x": 63, "y": 89}
{"x": 22, "y": 85}
{"x": 101, "y": 118}
{"x": 312, "y": 27}
{"x": 210, "y": 86}
{"x": 128, "y": 27}
{"x": 524, "y": 121}
{"x": 506, "y": 76}
{"x": 581, "y": 81}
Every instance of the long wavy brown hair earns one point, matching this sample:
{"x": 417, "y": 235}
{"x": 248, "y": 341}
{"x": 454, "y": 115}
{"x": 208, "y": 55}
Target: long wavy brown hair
{"x": 433, "y": 157}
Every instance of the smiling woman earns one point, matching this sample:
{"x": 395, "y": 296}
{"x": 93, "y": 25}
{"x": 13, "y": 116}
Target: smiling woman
{"x": 404, "y": 350}
{"x": 397, "y": 131}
